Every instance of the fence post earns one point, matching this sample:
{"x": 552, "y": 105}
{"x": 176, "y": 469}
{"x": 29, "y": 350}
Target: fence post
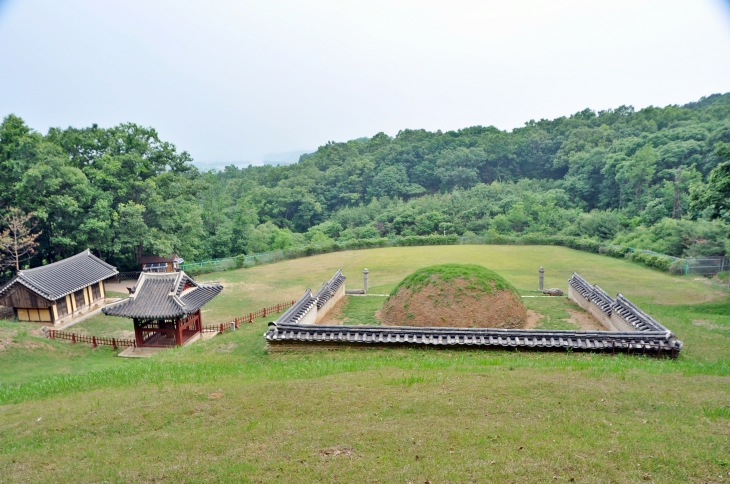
{"x": 222, "y": 328}
{"x": 93, "y": 342}
{"x": 250, "y": 317}
{"x": 264, "y": 312}
{"x": 278, "y": 308}
{"x": 73, "y": 338}
{"x": 114, "y": 343}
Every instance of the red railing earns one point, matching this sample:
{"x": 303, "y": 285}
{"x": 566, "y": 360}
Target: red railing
{"x": 117, "y": 342}
{"x": 261, "y": 313}
{"x": 94, "y": 340}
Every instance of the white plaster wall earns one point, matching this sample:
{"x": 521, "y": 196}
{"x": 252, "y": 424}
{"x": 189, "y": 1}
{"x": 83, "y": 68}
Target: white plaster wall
{"x": 322, "y": 312}
{"x": 577, "y": 298}
{"x": 591, "y": 307}
{"x": 620, "y": 323}
{"x": 310, "y": 317}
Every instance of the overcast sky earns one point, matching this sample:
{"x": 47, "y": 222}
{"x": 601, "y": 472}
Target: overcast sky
{"x": 230, "y": 81}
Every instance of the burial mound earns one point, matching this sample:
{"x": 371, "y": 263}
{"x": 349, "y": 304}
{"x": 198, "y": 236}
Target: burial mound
{"x": 454, "y": 295}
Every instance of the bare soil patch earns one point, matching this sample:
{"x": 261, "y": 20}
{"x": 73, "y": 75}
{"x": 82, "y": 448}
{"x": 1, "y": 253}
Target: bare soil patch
{"x": 334, "y": 315}
{"x": 582, "y": 319}
{"x": 585, "y": 321}
{"x": 533, "y": 317}
{"x": 335, "y": 451}
{"x": 707, "y": 324}
{"x": 456, "y": 304}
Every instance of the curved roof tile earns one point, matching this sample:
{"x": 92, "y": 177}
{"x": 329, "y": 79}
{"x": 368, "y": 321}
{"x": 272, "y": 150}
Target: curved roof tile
{"x": 58, "y": 279}
{"x": 164, "y": 295}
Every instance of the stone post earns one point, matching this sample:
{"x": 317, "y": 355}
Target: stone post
{"x": 365, "y": 279}
{"x": 542, "y": 279}
{"x": 233, "y": 325}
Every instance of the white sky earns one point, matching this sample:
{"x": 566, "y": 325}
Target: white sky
{"x": 229, "y": 81}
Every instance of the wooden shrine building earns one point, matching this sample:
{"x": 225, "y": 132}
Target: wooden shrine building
{"x": 165, "y": 308}
{"x": 155, "y": 263}
{"x": 59, "y": 292}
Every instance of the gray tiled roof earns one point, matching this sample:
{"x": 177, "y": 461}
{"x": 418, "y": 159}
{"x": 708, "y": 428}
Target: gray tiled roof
{"x": 161, "y": 295}
{"x": 621, "y": 306}
{"x": 635, "y": 316}
{"x": 300, "y": 308}
{"x": 329, "y": 289}
{"x": 56, "y": 280}
{"x": 282, "y": 333}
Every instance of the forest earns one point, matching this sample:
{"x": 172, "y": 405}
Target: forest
{"x": 656, "y": 178}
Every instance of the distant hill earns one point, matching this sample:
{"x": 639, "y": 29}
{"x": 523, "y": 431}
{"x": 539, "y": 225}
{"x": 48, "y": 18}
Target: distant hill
{"x": 285, "y": 157}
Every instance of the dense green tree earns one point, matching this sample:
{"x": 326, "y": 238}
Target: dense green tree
{"x": 714, "y": 197}
{"x": 122, "y": 191}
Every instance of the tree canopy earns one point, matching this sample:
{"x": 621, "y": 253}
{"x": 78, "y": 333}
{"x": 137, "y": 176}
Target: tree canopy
{"x": 122, "y": 191}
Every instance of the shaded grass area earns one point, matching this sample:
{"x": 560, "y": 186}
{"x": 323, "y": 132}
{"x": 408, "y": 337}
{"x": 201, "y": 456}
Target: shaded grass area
{"x": 361, "y": 310}
{"x": 554, "y": 311}
{"x": 101, "y": 325}
{"x": 229, "y": 411}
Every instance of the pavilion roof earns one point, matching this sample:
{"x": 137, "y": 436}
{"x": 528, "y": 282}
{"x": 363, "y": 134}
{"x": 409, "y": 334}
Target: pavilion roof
{"x": 156, "y": 259}
{"x": 58, "y": 279}
{"x": 164, "y": 295}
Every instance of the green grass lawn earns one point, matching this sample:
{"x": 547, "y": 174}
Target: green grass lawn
{"x": 225, "y": 410}
{"x": 361, "y": 310}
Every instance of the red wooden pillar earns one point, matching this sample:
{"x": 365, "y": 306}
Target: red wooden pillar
{"x": 138, "y": 338}
{"x": 178, "y": 332}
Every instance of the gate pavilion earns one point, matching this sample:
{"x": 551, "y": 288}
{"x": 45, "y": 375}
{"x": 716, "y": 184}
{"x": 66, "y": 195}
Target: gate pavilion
{"x": 165, "y": 308}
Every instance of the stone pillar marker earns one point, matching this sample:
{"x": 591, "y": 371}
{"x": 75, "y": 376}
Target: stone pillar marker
{"x": 365, "y": 279}
{"x": 540, "y": 285}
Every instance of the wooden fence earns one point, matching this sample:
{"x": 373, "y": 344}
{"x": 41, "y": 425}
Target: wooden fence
{"x": 261, "y": 313}
{"x": 117, "y": 342}
{"x": 94, "y": 340}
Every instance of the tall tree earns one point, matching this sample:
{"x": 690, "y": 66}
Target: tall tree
{"x": 17, "y": 240}
{"x": 715, "y": 196}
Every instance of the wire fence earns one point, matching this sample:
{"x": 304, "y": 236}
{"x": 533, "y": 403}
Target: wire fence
{"x": 707, "y": 265}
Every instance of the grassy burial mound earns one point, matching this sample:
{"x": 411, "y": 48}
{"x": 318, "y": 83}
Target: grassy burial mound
{"x": 455, "y": 295}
